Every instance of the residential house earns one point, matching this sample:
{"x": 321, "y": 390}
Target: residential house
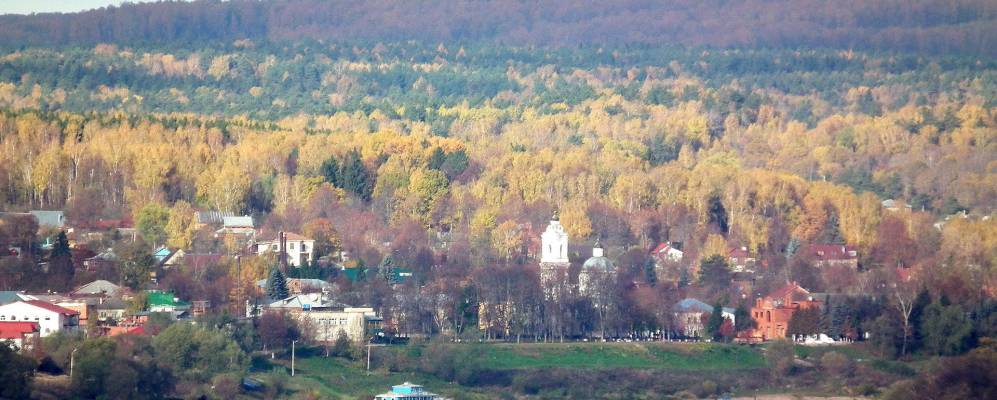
{"x": 300, "y": 285}
{"x": 690, "y": 314}
{"x": 159, "y": 301}
{"x": 49, "y": 219}
{"x": 241, "y": 227}
{"x": 829, "y": 255}
{"x": 773, "y": 312}
{"x": 50, "y": 317}
{"x": 23, "y": 334}
{"x": 162, "y": 254}
{"x": 98, "y": 288}
{"x": 103, "y": 259}
{"x": 205, "y": 218}
{"x": 741, "y": 260}
{"x": 324, "y": 324}
{"x": 299, "y": 249}
{"x": 896, "y": 205}
{"x": 668, "y": 252}
{"x": 110, "y": 310}
{"x": 303, "y": 301}
{"x": 408, "y": 391}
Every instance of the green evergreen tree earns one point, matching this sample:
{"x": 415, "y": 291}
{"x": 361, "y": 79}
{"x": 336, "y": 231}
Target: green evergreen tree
{"x": 436, "y": 159}
{"x": 277, "y": 285}
{"x": 61, "y": 270}
{"x": 355, "y": 177}
{"x": 650, "y": 275}
{"x": 715, "y": 322}
{"x": 715, "y": 272}
{"x": 330, "y": 170}
{"x": 717, "y": 214}
{"x": 743, "y": 320}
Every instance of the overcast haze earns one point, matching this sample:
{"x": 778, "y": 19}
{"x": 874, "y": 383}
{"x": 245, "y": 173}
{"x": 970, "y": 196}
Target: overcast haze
{"x": 36, "y": 6}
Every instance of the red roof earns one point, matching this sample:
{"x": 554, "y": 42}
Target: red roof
{"x": 52, "y": 307}
{"x": 16, "y": 330}
{"x": 795, "y": 291}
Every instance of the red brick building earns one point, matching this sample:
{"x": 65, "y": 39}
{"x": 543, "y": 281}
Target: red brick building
{"x": 773, "y": 312}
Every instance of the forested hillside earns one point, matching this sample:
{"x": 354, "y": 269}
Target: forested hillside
{"x": 478, "y": 142}
{"x": 928, "y": 26}
{"x": 419, "y": 148}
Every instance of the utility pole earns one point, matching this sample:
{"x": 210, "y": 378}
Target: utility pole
{"x": 368, "y": 353}
{"x": 292, "y": 356}
{"x": 239, "y": 284}
{"x": 72, "y": 359}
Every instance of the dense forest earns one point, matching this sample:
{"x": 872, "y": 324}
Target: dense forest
{"x": 439, "y": 137}
{"x": 928, "y": 26}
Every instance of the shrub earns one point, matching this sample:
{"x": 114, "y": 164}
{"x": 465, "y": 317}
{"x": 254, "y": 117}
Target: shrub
{"x": 836, "y": 364}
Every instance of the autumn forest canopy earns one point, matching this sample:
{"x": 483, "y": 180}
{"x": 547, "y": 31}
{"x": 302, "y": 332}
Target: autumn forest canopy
{"x": 438, "y": 137}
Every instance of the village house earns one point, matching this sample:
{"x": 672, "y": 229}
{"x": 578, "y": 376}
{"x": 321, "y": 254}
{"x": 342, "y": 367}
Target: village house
{"x": 49, "y": 317}
{"x": 829, "y": 255}
{"x": 299, "y": 249}
{"x": 299, "y": 286}
{"x": 166, "y": 302}
{"x": 24, "y": 335}
{"x": 110, "y": 311}
{"x": 668, "y": 252}
{"x": 97, "y": 288}
{"x": 213, "y": 218}
{"x": 240, "y": 228}
{"x": 741, "y": 260}
{"x": 773, "y": 312}
{"x": 690, "y": 314}
{"x": 49, "y": 219}
{"x": 106, "y": 258}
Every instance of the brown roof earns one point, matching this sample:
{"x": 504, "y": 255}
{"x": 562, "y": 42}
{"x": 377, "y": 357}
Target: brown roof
{"x": 792, "y": 290}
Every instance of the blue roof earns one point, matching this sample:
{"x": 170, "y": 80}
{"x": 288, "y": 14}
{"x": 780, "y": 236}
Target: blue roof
{"x": 690, "y": 304}
{"x": 8, "y": 296}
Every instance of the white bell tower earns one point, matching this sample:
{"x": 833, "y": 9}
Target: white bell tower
{"x": 554, "y": 243}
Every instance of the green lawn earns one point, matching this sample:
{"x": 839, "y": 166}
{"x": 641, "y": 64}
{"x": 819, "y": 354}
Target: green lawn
{"x": 685, "y": 356}
{"x": 337, "y": 378}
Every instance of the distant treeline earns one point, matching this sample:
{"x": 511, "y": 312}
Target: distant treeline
{"x": 929, "y": 26}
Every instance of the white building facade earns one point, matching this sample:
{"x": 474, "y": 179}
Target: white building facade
{"x": 49, "y": 317}
{"x": 299, "y": 249}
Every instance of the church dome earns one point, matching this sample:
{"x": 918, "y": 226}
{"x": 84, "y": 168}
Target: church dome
{"x": 599, "y": 263}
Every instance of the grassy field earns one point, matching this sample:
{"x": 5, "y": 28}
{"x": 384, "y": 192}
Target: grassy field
{"x": 685, "y": 356}
{"x": 337, "y": 378}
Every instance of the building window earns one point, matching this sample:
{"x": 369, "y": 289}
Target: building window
{"x": 292, "y": 246}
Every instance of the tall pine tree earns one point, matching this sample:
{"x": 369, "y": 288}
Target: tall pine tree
{"x": 60, "y": 270}
{"x": 277, "y": 285}
{"x": 355, "y": 177}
